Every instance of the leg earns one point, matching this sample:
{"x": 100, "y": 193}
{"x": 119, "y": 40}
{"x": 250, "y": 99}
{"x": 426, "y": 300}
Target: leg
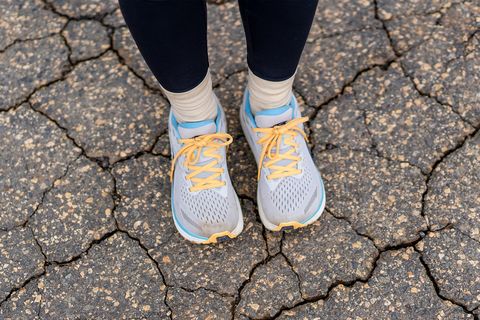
{"x": 290, "y": 191}
{"x": 172, "y": 37}
{"x": 276, "y": 31}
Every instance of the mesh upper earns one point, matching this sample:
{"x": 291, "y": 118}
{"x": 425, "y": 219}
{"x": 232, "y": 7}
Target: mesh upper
{"x": 292, "y": 193}
{"x": 207, "y": 206}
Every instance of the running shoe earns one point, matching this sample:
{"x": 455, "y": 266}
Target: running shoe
{"x": 290, "y": 192}
{"x": 205, "y": 207}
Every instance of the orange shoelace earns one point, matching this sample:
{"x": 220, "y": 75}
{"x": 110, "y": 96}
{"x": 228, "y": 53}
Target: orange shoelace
{"x": 271, "y": 139}
{"x": 193, "y": 148}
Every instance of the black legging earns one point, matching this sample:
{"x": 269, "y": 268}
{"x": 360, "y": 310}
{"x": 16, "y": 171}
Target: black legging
{"x": 172, "y": 37}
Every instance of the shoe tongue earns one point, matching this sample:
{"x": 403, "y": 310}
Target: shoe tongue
{"x": 189, "y": 130}
{"x": 272, "y": 117}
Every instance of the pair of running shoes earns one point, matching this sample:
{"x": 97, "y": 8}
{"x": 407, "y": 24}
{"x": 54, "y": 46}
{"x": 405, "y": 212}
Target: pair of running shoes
{"x": 205, "y": 206}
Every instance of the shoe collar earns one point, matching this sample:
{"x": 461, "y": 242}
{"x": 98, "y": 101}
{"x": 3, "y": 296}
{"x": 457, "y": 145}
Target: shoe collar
{"x": 270, "y": 117}
{"x": 185, "y": 130}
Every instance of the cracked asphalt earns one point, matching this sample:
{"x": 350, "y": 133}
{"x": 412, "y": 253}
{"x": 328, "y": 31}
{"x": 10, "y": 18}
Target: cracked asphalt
{"x": 392, "y": 92}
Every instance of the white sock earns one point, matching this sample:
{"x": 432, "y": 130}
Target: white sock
{"x": 197, "y": 104}
{"x": 266, "y": 94}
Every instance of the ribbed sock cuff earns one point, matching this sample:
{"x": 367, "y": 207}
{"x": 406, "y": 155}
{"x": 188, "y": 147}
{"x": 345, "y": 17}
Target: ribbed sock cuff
{"x": 197, "y": 104}
{"x": 265, "y": 94}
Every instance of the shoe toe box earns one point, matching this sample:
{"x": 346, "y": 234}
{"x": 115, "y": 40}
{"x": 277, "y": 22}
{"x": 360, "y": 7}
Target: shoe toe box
{"x": 206, "y": 213}
{"x": 293, "y": 200}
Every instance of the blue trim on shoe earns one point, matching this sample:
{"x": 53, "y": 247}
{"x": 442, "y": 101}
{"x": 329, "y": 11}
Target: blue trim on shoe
{"x": 219, "y": 117}
{"x": 248, "y": 110}
{"x": 268, "y": 112}
{"x": 196, "y": 124}
{"x": 174, "y": 123}
{"x": 274, "y": 112}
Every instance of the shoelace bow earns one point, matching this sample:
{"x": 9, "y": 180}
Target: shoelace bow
{"x": 193, "y": 148}
{"x": 272, "y": 138}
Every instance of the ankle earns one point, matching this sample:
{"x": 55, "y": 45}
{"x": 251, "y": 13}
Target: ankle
{"x": 265, "y": 94}
{"x": 197, "y": 104}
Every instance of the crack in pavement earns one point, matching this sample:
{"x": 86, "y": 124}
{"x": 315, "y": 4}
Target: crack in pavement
{"x": 335, "y": 284}
{"x": 435, "y": 284}
{"x": 42, "y": 198}
{"x": 49, "y": 6}
{"x": 26, "y": 282}
{"x": 17, "y": 41}
{"x": 116, "y": 197}
{"x": 331, "y": 287}
{"x": 70, "y": 49}
{"x": 410, "y": 77}
{"x": 341, "y": 92}
{"x": 123, "y": 63}
{"x": 98, "y": 161}
{"x": 33, "y": 277}
{"x": 116, "y": 200}
{"x": 350, "y": 284}
{"x": 428, "y": 175}
{"x": 435, "y": 99}
{"x": 148, "y": 150}
{"x": 62, "y": 77}
{"x": 458, "y": 146}
{"x": 157, "y": 265}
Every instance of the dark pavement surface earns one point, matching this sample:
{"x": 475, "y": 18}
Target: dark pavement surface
{"x": 392, "y": 92}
